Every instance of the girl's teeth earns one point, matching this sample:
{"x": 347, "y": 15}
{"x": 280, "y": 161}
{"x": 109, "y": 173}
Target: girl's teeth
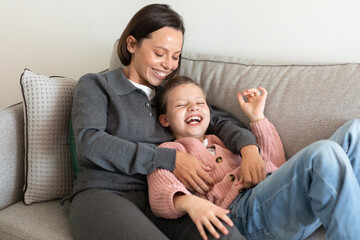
{"x": 193, "y": 120}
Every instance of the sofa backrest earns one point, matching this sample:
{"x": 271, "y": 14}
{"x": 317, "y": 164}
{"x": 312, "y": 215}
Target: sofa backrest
{"x": 306, "y": 102}
{"x": 11, "y": 154}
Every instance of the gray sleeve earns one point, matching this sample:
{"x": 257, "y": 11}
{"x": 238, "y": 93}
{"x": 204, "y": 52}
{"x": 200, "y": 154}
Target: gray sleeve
{"x": 232, "y": 132}
{"x": 98, "y": 149}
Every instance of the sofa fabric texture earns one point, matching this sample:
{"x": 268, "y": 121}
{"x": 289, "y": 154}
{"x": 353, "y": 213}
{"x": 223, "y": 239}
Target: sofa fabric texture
{"x": 46, "y": 220}
{"x": 47, "y": 104}
{"x": 11, "y": 155}
{"x": 306, "y": 102}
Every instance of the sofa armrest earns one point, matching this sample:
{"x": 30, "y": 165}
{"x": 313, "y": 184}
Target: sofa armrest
{"x": 11, "y": 154}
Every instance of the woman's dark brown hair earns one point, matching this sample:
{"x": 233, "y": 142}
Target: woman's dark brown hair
{"x": 147, "y": 20}
{"x": 171, "y": 84}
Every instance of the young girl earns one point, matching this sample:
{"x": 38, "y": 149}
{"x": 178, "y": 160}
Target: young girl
{"x": 318, "y": 185}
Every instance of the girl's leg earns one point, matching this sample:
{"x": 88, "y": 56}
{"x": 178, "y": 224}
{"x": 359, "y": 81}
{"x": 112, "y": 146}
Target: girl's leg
{"x": 101, "y": 214}
{"x": 348, "y": 136}
{"x": 318, "y": 183}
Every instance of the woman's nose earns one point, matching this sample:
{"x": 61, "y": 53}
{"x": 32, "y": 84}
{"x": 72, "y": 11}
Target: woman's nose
{"x": 168, "y": 63}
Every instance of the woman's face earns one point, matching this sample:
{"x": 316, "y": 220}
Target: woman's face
{"x": 187, "y": 113}
{"x": 154, "y": 58}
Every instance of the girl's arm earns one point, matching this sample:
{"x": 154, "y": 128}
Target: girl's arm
{"x": 169, "y": 198}
{"x": 163, "y": 186}
{"x": 266, "y": 135}
{"x": 204, "y": 214}
{"x": 269, "y": 141}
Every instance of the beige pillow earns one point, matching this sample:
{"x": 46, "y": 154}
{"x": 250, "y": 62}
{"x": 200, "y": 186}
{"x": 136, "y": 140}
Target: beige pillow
{"x": 47, "y": 107}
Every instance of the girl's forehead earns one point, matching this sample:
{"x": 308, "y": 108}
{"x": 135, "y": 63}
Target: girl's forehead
{"x": 186, "y": 89}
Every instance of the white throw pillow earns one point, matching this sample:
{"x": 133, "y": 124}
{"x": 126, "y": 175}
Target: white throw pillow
{"x": 47, "y": 107}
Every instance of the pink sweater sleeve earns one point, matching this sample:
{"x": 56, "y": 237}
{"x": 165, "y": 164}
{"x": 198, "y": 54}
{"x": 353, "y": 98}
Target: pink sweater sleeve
{"x": 271, "y": 147}
{"x": 163, "y": 185}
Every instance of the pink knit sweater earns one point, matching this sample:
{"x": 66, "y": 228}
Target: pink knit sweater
{"x": 163, "y": 184}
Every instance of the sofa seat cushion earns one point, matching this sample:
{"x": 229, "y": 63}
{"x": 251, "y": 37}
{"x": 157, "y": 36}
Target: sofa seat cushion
{"x": 46, "y": 220}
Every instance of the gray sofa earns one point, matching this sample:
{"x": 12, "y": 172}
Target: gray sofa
{"x": 306, "y": 102}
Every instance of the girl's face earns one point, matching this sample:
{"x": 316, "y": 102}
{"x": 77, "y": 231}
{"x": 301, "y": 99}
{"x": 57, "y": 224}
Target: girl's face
{"x": 188, "y": 114}
{"x": 154, "y": 58}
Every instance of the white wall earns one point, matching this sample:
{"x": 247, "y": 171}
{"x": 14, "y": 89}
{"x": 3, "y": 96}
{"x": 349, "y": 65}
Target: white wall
{"x": 73, "y": 37}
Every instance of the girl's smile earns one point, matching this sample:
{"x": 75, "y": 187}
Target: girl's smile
{"x": 187, "y": 114}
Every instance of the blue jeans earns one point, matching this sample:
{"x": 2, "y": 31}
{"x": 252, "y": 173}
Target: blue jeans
{"x": 318, "y": 185}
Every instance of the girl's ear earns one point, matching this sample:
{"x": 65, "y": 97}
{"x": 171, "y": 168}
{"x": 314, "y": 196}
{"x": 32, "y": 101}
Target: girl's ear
{"x": 130, "y": 44}
{"x": 163, "y": 120}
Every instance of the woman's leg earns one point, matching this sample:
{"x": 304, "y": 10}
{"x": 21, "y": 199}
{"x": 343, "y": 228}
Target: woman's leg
{"x": 318, "y": 183}
{"x": 348, "y": 136}
{"x": 102, "y": 214}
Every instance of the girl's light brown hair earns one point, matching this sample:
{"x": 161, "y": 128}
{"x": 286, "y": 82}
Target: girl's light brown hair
{"x": 171, "y": 84}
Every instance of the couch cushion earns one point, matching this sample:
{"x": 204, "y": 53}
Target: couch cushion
{"x": 48, "y": 170}
{"x": 12, "y": 155}
{"x": 306, "y": 102}
{"x": 46, "y": 220}
{"x": 49, "y": 220}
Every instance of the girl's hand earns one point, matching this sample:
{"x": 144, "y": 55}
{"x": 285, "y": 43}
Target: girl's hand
{"x": 255, "y": 105}
{"x": 203, "y": 213}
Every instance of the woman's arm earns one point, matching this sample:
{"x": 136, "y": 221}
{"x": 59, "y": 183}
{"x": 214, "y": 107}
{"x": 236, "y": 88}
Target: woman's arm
{"x": 232, "y": 131}
{"x": 240, "y": 141}
{"x": 96, "y": 147}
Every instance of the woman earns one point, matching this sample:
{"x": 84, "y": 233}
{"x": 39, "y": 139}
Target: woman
{"x": 116, "y": 130}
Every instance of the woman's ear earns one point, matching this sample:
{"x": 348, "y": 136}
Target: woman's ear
{"x": 163, "y": 120}
{"x": 130, "y": 44}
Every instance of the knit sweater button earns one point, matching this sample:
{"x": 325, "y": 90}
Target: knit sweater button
{"x": 231, "y": 177}
{"x": 150, "y": 114}
{"x": 147, "y": 104}
{"x": 219, "y": 159}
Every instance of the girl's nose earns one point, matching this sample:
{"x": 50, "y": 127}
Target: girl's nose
{"x": 193, "y": 107}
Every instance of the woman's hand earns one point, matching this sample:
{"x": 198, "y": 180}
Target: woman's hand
{"x": 192, "y": 173}
{"x": 255, "y": 105}
{"x": 252, "y": 168}
{"x": 203, "y": 213}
